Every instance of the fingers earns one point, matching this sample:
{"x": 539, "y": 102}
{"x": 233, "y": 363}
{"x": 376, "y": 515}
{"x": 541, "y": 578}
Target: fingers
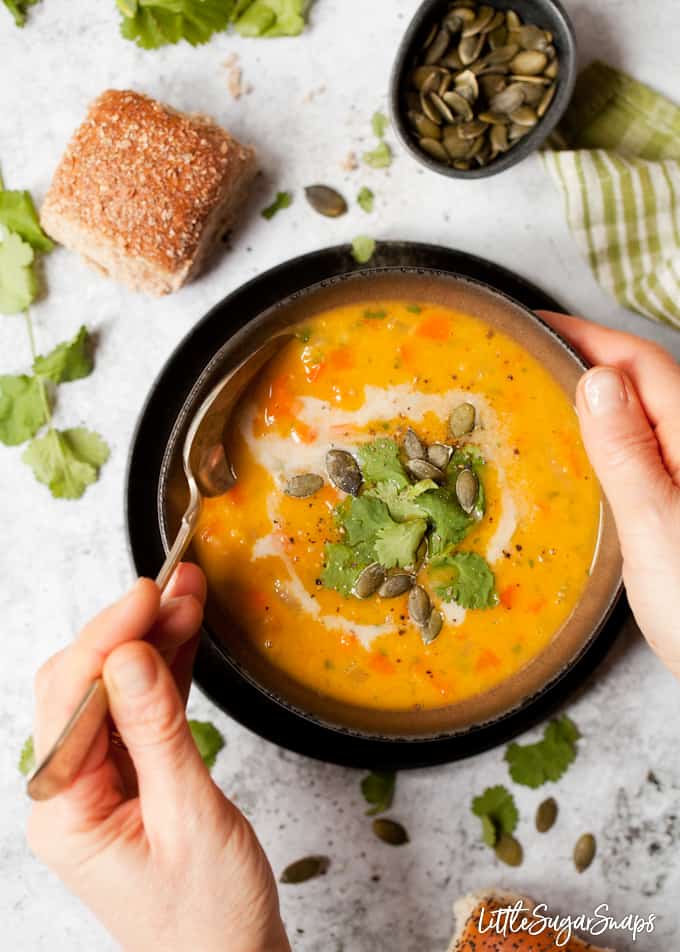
{"x": 623, "y": 450}
{"x": 187, "y": 579}
{"x": 149, "y": 714}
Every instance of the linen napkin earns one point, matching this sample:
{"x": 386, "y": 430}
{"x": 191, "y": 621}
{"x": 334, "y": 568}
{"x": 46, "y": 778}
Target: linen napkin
{"x": 616, "y": 160}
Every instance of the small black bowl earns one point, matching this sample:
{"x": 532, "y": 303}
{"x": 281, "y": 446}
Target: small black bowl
{"x": 547, "y": 14}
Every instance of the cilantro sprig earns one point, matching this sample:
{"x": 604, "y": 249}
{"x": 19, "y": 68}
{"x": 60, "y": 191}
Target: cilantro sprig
{"x": 497, "y": 810}
{"x": 532, "y": 765}
{"x": 378, "y": 790}
{"x": 208, "y": 740}
{"x": 19, "y": 9}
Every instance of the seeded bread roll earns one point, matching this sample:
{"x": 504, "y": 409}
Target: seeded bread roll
{"x": 143, "y": 192}
{"x": 469, "y": 937}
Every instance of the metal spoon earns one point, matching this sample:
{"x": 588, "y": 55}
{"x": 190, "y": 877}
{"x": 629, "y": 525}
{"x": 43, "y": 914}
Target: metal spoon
{"x": 208, "y": 473}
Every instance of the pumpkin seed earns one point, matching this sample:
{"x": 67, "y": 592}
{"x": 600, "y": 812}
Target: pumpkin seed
{"x": 445, "y": 84}
{"x": 425, "y": 128}
{"x": 512, "y": 20}
{"x": 306, "y": 484}
{"x": 462, "y": 419}
{"x": 434, "y": 29}
{"x": 469, "y": 49}
{"x": 434, "y": 148}
{"x": 463, "y": 164}
{"x": 459, "y": 104}
{"x": 524, "y": 116}
{"x": 343, "y": 471}
{"x": 442, "y": 106}
{"x": 452, "y": 60}
{"x": 529, "y": 63}
{"x": 499, "y": 139}
{"x": 533, "y": 93}
{"x": 464, "y": 12}
{"x": 546, "y": 814}
{"x": 326, "y": 201}
{"x": 509, "y": 850}
{"x": 508, "y": 100}
{"x": 470, "y": 130}
{"x": 439, "y": 454}
{"x": 467, "y": 487}
{"x": 421, "y": 75}
{"x": 499, "y": 36}
{"x": 491, "y": 85}
{"x": 501, "y": 55}
{"x": 552, "y": 69}
{"x": 544, "y": 104}
{"x": 389, "y": 831}
{"x": 421, "y": 469}
{"x": 515, "y": 131}
{"x": 584, "y": 852}
{"x": 453, "y": 22}
{"x": 439, "y": 46}
{"x": 484, "y": 17}
{"x": 369, "y": 580}
{"x": 413, "y": 447}
{"x": 467, "y": 85}
{"x": 419, "y": 607}
{"x": 455, "y": 145}
{"x": 536, "y": 80}
{"x": 395, "y": 585}
{"x": 494, "y": 118}
{"x": 428, "y": 108}
{"x": 432, "y": 628}
{"x": 303, "y": 869}
{"x": 532, "y": 38}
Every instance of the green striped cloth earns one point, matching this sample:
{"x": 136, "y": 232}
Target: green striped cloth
{"x": 616, "y": 160}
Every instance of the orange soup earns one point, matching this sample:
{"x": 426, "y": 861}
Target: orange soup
{"x": 414, "y": 516}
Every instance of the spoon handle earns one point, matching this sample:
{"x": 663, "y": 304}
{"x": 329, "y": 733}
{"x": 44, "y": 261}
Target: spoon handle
{"x": 61, "y": 764}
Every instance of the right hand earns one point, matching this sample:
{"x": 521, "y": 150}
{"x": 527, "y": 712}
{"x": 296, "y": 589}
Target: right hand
{"x": 629, "y": 411}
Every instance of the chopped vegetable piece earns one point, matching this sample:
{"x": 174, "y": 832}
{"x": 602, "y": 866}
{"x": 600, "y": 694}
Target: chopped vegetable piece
{"x": 548, "y": 759}
{"x": 27, "y": 757}
{"x": 473, "y": 583}
{"x": 18, "y": 285}
{"x": 397, "y": 544}
{"x": 379, "y": 123}
{"x": 272, "y": 18}
{"x": 363, "y": 249}
{"x": 380, "y": 157}
{"x": 22, "y": 409}
{"x": 68, "y": 361}
{"x": 497, "y": 810}
{"x": 282, "y": 200}
{"x": 379, "y": 460}
{"x": 378, "y": 790}
{"x": 365, "y": 199}
{"x": 208, "y": 740}
{"x": 66, "y": 460}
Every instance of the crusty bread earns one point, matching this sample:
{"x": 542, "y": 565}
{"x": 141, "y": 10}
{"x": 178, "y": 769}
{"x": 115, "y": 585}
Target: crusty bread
{"x": 468, "y": 937}
{"x": 143, "y": 191}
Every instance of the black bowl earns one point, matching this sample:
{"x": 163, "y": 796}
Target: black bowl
{"x": 549, "y": 15}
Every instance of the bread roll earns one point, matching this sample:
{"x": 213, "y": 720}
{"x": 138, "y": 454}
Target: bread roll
{"x": 143, "y": 192}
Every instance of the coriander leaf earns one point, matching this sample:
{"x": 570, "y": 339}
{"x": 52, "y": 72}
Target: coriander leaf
{"x": 18, "y": 9}
{"x": 365, "y": 199}
{"x": 400, "y": 502}
{"x": 361, "y": 517}
{"x": 380, "y": 461}
{"x": 18, "y": 286}
{"x": 498, "y": 813}
{"x": 27, "y": 757}
{"x": 378, "y": 790}
{"x": 66, "y": 460}
{"x": 272, "y": 18}
{"x": 342, "y": 564}
{"x": 363, "y": 249}
{"x": 396, "y": 544}
{"x": 450, "y": 522}
{"x": 466, "y": 456}
{"x": 22, "y": 409}
{"x": 379, "y": 123}
{"x": 378, "y": 158}
{"x": 208, "y": 740}
{"x": 282, "y": 200}
{"x": 548, "y": 759}
{"x": 377, "y": 315}
{"x": 18, "y": 215}
{"x": 68, "y": 361}
{"x": 473, "y": 583}
{"x": 154, "y": 23}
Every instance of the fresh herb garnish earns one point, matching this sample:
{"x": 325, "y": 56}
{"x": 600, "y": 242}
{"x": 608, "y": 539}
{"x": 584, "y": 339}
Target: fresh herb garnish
{"x": 414, "y": 308}
{"x": 370, "y": 315}
{"x": 18, "y": 215}
{"x": 343, "y": 563}
{"x": 67, "y": 461}
{"x": 361, "y": 517}
{"x": 378, "y": 790}
{"x": 498, "y": 813}
{"x": 396, "y": 544}
{"x": 208, "y": 740}
{"x": 378, "y": 158}
{"x": 282, "y": 200}
{"x": 22, "y": 410}
{"x": 18, "y": 285}
{"x": 363, "y": 248}
{"x": 27, "y": 757}
{"x": 68, "y": 361}
{"x": 380, "y": 461}
{"x": 472, "y": 583}
{"x": 365, "y": 199}
{"x": 548, "y": 759}
{"x": 18, "y": 9}
{"x": 379, "y": 123}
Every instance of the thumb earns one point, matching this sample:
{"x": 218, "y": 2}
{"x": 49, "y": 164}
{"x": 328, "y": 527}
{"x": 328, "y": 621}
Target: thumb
{"x": 622, "y": 448}
{"x": 149, "y": 715}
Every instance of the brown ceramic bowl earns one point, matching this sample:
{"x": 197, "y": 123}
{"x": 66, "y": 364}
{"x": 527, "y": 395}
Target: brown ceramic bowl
{"x": 569, "y": 642}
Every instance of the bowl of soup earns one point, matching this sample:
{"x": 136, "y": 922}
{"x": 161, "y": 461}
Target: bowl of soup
{"x": 415, "y": 543}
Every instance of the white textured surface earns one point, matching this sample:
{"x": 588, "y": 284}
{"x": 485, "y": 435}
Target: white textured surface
{"x": 62, "y": 561}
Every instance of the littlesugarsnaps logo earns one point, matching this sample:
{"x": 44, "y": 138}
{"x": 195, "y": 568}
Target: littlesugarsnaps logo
{"x": 509, "y": 920}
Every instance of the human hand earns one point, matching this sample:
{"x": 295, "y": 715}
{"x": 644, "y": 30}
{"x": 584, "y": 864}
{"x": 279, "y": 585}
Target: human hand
{"x": 628, "y": 406}
{"x": 144, "y": 837}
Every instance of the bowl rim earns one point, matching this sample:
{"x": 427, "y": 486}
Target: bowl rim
{"x": 532, "y": 141}
{"x": 230, "y": 353}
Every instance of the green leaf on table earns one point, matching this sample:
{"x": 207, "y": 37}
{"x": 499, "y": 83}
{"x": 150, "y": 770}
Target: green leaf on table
{"x": 68, "y": 361}
{"x": 343, "y": 563}
{"x": 378, "y": 158}
{"x": 378, "y": 790}
{"x": 271, "y": 18}
{"x": 18, "y": 285}
{"x": 282, "y": 200}
{"x": 396, "y": 544}
{"x": 22, "y": 409}
{"x": 471, "y": 582}
{"x": 497, "y": 810}
{"x": 548, "y": 759}
{"x": 365, "y": 199}
{"x": 27, "y": 757}
{"x": 450, "y": 522}
{"x": 67, "y": 461}
{"x": 19, "y": 9}
{"x": 379, "y": 123}
{"x": 154, "y": 23}
{"x": 18, "y": 215}
{"x": 379, "y": 461}
{"x": 208, "y": 740}
{"x": 363, "y": 249}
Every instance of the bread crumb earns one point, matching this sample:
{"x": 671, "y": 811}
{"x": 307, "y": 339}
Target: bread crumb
{"x": 350, "y": 163}
{"x": 235, "y": 84}
{"x": 313, "y": 93}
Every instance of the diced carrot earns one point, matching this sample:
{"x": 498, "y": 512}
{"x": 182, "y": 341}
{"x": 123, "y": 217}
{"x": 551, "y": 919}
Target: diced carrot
{"x": 508, "y": 596}
{"x": 435, "y": 327}
{"x": 341, "y": 359}
{"x": 409, "y": 354}
{"x": 282, "y": 402}
{"x": 236, "y": 496}
{"x": 487, "y": 659}
{"x": 304, "y": 433}
{"x": 380, "y": 664}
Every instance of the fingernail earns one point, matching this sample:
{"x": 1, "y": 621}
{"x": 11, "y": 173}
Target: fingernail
{"x": 133, "y": 676}
{"x": 605, "y": 391}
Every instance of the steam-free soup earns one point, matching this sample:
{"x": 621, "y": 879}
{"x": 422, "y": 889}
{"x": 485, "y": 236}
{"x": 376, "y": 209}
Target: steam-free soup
{"x": 457, "y": 477}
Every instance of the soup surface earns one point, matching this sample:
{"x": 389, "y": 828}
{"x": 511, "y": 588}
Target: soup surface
{"x": 503, "y": 571}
